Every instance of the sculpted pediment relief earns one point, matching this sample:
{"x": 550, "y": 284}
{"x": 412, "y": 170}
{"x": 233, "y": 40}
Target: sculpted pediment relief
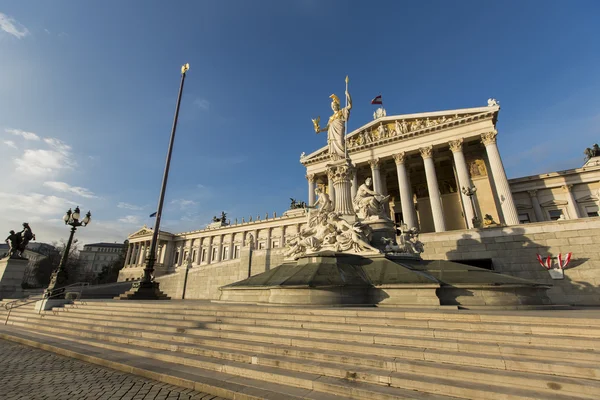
{"x": 395, "y": 128}
{"x": 145, "y": 231}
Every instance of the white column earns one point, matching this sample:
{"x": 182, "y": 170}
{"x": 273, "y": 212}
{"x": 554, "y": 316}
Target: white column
{"x": 354, "y": 187}
{"x": 331, "y": 187}
{"x": 537, "y": 209}
{"x": 311, "y": 189}
{"x": 209, "y": 251}
{"x": 128, "y": 254}
{"x": 573, "y": 211}
{"x": 268, "y": 244}
{"x": 142, "y": 253}
{"x": 463, "y": 179}
{"x": 408, "y": 210}
{"x": 509, "y": 210}
{"x": 376, "y": 176}
{"x": 433, "y": 189}
{"x": 231, "y": 247}
{"x": 283, "y": 229}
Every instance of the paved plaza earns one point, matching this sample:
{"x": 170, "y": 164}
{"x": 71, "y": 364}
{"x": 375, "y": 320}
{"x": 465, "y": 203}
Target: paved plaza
{"x": 31, "y": 374}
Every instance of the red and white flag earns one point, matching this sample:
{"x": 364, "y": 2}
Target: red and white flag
{"x": 563, "y": 263}
{"x": 377, "y": 100}
{"x": 545, "y": 263}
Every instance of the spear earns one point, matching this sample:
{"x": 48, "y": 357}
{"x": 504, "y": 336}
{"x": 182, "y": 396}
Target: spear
{"x": 346, "y": 123}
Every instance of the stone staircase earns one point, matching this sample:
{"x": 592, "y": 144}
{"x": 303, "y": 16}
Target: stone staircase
{"x": 264, "y": 352}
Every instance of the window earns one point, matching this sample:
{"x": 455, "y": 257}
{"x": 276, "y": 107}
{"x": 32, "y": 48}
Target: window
{"x": 591, "y": 211}
{"x": 236, "y": 252}
{"x": 555, "y": 215}
{"x": 225, "y": 253}
{"x": 524, "y": 218}
{"x": 261, "y": 245}
{"x": 275, "y": 244}
{"x": 214, "y": 254}
{"x": 194, "y": 256}
{"x": 203, "y": 258}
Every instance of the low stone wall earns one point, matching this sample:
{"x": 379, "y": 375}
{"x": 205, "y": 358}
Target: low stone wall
{"x": 204, "y": 281}
{"x": 513, "y": 251}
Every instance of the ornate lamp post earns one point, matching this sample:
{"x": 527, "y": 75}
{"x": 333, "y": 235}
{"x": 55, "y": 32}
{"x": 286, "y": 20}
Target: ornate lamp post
{"x": 147, "y": 288}
{"x": 59, "y": 276}
{"x": 470, "y": 192}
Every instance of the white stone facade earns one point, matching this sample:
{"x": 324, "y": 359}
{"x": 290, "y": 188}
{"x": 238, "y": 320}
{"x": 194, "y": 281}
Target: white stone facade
{"x": 408, "y": 157}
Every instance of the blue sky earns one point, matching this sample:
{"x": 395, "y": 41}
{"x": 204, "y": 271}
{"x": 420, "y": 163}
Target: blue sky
{"x": 88, "y": 90}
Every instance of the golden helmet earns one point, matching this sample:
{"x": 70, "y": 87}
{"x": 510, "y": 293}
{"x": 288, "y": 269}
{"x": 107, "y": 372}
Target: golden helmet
{"x": 335, "y": 99}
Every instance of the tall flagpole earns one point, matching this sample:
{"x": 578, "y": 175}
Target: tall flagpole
{"x": 346, "y": 122}
{"x": 147, "y": 288}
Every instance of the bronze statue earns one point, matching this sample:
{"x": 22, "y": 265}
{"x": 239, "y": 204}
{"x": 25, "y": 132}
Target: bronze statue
{"x": 17, "y": 242}
{"x": 594, "y": 151}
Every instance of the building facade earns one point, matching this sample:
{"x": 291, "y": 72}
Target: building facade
{"x": 442, "y": 171}
{"x": 95, "y": 256}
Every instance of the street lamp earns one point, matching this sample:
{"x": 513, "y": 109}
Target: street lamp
{"x": 147, "y": 288}
{"x": 59, "y": 276}
{"x": 470, "y": 192}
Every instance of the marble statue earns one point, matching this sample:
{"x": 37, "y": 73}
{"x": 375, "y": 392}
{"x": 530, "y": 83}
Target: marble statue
{"x": 379, "y": 113}
{"x": 330, "y": 233}
{"x": 336, "y": 126}
{"x": 17, "y": 242}
{"x": 493, "y": 102}
{"x": 382, "y": 130}
{"x": 369, "y": 204}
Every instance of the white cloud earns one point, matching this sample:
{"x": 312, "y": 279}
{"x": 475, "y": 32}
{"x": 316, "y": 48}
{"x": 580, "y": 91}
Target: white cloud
{"x": 130, "y": 219}
{"x": 65, "y": 187}
{"x": 10, "y": 143}
{"x": 25, "y": 135}
{"x": 34, "y": 204}
{"x": 12, "y": 27}
{"x": 41, "y": 162}
{"x": 202, "y": 104}
{"x": 183, "y": 203}
{"x": 128, "y": 206}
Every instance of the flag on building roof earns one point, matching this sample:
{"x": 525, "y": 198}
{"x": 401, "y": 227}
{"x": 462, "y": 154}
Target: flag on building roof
{"x": 153, "y": 214}
{"x": 377, "y": 100}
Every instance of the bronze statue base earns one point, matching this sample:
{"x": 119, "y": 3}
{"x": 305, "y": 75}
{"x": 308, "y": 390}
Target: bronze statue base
{"x": 144, "y": 291}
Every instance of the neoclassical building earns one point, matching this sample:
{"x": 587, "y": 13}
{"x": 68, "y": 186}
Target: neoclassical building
{"x": 442, "y": 171}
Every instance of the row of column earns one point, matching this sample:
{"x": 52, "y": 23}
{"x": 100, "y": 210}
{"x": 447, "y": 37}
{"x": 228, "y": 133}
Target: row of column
{"x": 456, "y": 146}
{"x": 137, "y": 253}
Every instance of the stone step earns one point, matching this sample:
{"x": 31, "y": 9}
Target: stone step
{"x": 556, "y": 317}
{"x": 515, "y": 363}
{"x": 336, "y": 364}
{"x": 307, "y": 374}
{"x": 307, "y": 382}
{"x": 363, "y": 324}
{"x": 216, "y": 383}
{"x": 391, "y": 336}
{"x": 472, "y": 353}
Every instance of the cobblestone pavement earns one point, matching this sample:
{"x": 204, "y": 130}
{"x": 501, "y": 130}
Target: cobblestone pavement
{"x": 31, "y": 374}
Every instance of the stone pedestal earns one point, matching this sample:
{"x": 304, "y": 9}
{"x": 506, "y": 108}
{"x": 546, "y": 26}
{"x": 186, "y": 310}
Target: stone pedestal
{"x": 11, "y": 276}
{"x": 382, "y": 228}
{"x": 342, "y": 173}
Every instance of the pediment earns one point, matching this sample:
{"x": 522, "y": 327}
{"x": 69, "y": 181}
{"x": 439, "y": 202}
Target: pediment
{"x": 588, "y": 199}
{"x": 144, "y": 231}
{"x": 395, "y": 128}
{"x": 554, "y": 202}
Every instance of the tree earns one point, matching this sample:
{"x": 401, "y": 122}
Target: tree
{"x": 110, "y": 273}
{"x": 47, "y": 265}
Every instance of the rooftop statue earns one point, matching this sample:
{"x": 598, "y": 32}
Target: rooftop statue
{"x": 17, "y": 242}
{"x": 594, "y": 151}
{"x": 493, "y": 102}
{"x": 336, "y": 126}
